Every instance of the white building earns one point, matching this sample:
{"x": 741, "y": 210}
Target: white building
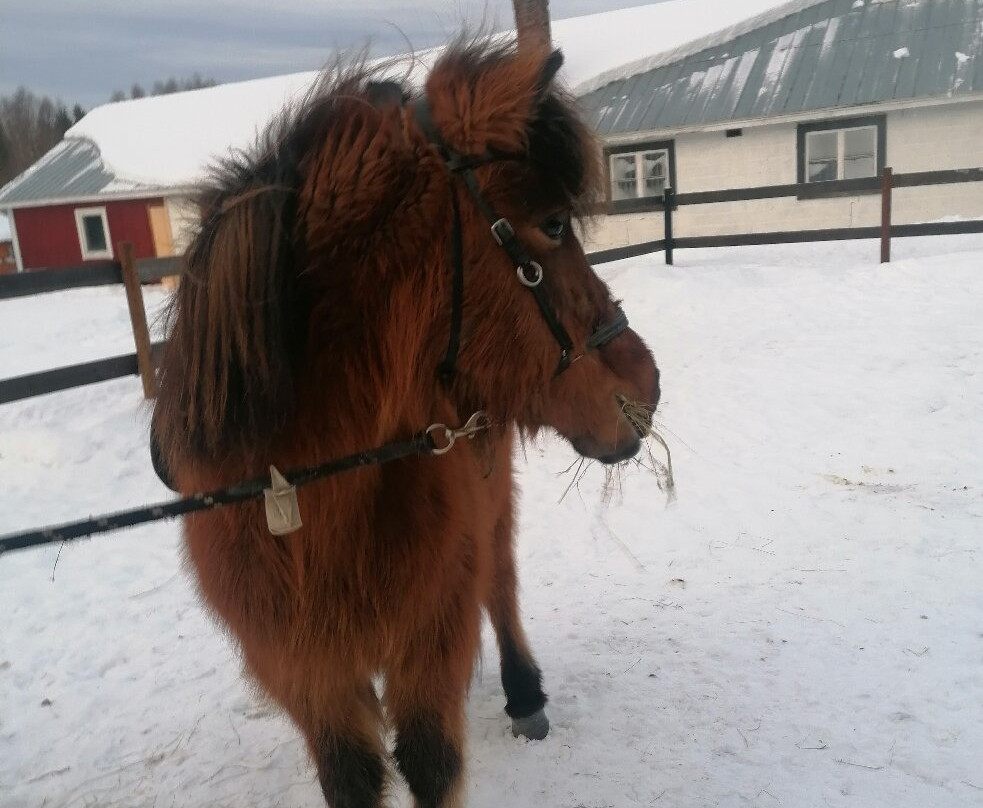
{"x": 822, "y": 92}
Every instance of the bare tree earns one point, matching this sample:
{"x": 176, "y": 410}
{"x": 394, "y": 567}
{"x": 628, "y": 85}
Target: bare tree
{"x": 4, "y": 154}
{"x": 30, "y": 125}
{"x": 196, "y": 82}
{"x": 171, "y": 85}
{"x": 165, "y": 87}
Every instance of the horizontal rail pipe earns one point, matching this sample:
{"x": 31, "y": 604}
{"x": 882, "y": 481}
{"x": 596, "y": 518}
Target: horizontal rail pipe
{"x": 103, "y": 273}
{"x": 628, "y": 251}
{"x": 57, "y": 280}
{"x": 66, "y": 378}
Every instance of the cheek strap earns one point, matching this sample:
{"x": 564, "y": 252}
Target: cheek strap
{"x": 529, "y": 272}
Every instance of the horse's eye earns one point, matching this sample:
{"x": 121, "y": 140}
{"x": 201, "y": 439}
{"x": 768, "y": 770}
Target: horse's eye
{"x": 554, "y": 227}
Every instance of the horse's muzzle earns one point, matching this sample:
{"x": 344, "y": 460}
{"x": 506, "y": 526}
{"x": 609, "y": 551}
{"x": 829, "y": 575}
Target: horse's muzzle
{"x": 616, "y": 455}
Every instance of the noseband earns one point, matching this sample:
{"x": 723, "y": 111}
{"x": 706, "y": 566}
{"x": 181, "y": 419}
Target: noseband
{"x": 529, "y": 272}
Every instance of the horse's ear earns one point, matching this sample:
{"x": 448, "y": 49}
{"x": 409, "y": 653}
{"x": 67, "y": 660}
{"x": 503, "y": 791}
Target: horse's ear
{"x": 551, "y": 67}
{"x": 482, "y": 97}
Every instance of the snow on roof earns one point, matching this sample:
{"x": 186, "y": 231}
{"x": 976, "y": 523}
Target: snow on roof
{"x": 4, "y": 228}
{"x": 692, "y": 26}
{"x": 795, "y": 60}
{"x": 168, "y": 141}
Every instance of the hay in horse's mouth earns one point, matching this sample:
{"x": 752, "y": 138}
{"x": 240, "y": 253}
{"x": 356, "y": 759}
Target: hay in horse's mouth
{"x": 639, "y": 415}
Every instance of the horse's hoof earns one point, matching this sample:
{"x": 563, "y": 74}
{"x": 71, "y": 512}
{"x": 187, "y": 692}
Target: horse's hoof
{"x": 534, "y": 727}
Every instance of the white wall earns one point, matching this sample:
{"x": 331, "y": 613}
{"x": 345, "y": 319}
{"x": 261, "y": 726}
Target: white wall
{"x": 183, "y": 213}
{"x": 926, "y": 139}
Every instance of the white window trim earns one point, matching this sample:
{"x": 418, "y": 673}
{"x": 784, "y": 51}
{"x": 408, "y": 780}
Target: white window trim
{"x": 91, "y": 255}
{"x": 639, "y": 171}
{"x": 840, "y": 149}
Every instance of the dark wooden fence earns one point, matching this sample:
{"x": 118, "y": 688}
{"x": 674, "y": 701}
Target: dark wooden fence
{"x": 127, "y": 271}
{"x": 886, "y": 231}
{"x": 132, "y": 273}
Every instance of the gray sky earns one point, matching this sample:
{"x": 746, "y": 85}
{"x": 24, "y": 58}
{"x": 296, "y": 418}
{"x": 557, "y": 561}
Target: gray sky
{"x": 81, "y": 51}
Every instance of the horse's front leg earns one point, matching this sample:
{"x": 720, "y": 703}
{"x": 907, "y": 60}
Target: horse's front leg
{"x": 426, "y": 692}
{"x": 340, "y": 715}
{"x": 521, "y": 678}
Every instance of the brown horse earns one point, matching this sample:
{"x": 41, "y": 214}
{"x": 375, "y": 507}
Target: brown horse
{"x": 336, "y": 269}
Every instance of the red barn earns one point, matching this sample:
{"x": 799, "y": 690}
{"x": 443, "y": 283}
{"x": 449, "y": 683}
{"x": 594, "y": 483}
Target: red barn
{"x": 69, "y": 209}
{"x": 127, "y": 172}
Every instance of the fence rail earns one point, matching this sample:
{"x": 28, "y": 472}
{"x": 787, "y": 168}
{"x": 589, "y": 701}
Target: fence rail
{"x": 807, "y": 190}
{"x": 52, "y": 381}
{"x": 129, "y": 272}
{"x": 104, "y": 273}
{"x": 831, "y": 234}
{"x": 132, "y": 273}
{"x": 887, "y": 231}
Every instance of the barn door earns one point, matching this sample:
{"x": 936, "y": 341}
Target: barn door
{"x": 160, "y": 227}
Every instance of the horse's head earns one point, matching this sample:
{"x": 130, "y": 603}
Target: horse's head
{"x": 543, "y": 342}
{"x": 323, "y": 286}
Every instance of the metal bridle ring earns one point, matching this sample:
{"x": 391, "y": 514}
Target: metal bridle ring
{"x": 448, "y": 434}
{"x": 537, "y": 277}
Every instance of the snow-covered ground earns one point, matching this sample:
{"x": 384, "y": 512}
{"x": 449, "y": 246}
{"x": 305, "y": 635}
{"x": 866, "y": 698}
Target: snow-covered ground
{"x": 803, "y": 627}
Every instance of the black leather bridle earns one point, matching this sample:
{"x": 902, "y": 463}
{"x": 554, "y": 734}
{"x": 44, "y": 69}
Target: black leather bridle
{"x": 529, "y": 272}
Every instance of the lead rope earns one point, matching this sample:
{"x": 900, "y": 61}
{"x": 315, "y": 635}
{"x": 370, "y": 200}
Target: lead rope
{"x": 436, "y": 440}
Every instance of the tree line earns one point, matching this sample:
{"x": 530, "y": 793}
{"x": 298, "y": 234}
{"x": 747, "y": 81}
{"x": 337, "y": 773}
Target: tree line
{"x": 171, "y": 85}
{"x": 31, "y": 124}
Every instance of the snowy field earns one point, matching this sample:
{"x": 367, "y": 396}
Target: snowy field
{"x": 803, "y": 627}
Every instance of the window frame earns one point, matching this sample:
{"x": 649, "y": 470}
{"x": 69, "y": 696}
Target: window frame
{"x": 877, "y": 122}
{"x": 639, "y": 203}
{"x": 93, "y": 255}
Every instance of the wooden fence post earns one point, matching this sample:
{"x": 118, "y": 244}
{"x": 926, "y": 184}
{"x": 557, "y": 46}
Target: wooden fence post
{"x": 138, "y": 318}
{"x": 667, "y": 202}
{"x": 532, "y": 25}
{"x": 887, "y": 181}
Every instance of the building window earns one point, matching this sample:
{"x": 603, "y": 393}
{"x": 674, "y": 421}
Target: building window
{"x": 93, "y": 231}
{"x": 841, "y": 154}
{"x": 640, "y": 174}
{"x": 635, "y": 175}
{"x": 842, "y": 150}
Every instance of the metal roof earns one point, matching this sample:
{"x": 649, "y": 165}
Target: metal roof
{"x": 829, "y": 54}
{"x": 73, "y": 169}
